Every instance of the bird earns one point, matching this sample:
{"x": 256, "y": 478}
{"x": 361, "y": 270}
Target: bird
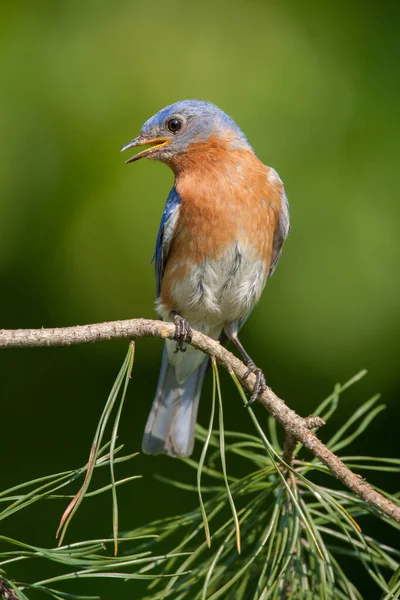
{"x": 221, "y": 235}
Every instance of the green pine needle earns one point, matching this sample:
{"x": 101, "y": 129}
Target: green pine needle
{"x": 291, "y": 533}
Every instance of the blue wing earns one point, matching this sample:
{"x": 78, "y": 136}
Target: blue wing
{"x": 164, "y": 236}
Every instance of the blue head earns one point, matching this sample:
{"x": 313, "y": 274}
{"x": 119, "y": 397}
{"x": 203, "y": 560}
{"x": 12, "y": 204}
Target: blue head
{"x": 175, "y": 128}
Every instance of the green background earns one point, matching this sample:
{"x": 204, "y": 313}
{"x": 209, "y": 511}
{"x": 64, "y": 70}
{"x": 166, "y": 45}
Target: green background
{"x": 315, "y": 87}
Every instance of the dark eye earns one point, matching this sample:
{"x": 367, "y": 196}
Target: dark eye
{"x": 174, "y": 124}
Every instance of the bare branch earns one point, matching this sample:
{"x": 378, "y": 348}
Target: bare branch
{"x": 294, "y": 425}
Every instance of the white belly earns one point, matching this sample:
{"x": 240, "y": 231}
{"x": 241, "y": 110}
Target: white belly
{"x": 216, "y": 292}
{"x": 219, "y": 291}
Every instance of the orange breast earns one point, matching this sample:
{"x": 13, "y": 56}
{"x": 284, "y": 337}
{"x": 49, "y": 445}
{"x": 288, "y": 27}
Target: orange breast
{"x": 227, "y": 196}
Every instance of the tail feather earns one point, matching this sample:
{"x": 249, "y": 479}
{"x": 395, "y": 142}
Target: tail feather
{"x": 172, "y": 419}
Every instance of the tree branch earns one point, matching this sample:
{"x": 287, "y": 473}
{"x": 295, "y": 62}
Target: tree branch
{"x": 293, "y": 424}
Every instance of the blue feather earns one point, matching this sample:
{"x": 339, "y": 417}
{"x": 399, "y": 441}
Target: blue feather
{"x": 164, "y": 235}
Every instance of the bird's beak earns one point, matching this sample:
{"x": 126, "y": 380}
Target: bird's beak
{"x": 155, "y": 145}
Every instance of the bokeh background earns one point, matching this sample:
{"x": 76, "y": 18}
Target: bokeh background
{"x": 315, "y": 86}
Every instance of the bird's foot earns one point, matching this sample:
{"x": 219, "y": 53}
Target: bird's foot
{"x": 260, "y": 385}
{"x": 183, "y": 333}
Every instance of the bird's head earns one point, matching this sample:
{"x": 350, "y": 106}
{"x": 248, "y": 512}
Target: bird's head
{"x": 173, "y": 131}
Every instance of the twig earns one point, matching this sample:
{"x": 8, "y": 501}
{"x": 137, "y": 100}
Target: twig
{"x": 290, "y": 442}
{"x": 6, "y": 592}
{"x": 292, "y": 423}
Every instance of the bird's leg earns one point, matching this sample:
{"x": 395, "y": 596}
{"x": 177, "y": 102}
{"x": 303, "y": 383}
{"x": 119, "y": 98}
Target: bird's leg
{"x": 260, "y": 385}
{"x": 183, "y": 333}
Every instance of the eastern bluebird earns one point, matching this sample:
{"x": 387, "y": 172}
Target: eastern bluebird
{"x": 220, "y": 238}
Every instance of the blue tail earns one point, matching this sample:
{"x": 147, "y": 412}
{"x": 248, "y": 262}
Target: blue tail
{"x": 172, "y": 419}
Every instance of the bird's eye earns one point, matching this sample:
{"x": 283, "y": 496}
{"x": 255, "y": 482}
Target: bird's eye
{"x": 174, "y": 125}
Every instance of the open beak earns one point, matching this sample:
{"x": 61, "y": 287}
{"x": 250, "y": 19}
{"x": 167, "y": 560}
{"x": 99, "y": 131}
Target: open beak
{"x": 155, "y": 145}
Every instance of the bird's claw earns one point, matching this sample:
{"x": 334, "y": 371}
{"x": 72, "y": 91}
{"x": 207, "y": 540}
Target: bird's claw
{"x": 183, "y": 333}
{"x": 260, "y": 385}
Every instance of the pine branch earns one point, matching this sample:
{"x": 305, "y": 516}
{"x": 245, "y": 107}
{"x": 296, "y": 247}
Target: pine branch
{"x": 294, "y": 425}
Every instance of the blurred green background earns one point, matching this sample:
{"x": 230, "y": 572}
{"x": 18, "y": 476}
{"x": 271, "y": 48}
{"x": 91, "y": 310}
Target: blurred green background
{"x": 315, "y": 87}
